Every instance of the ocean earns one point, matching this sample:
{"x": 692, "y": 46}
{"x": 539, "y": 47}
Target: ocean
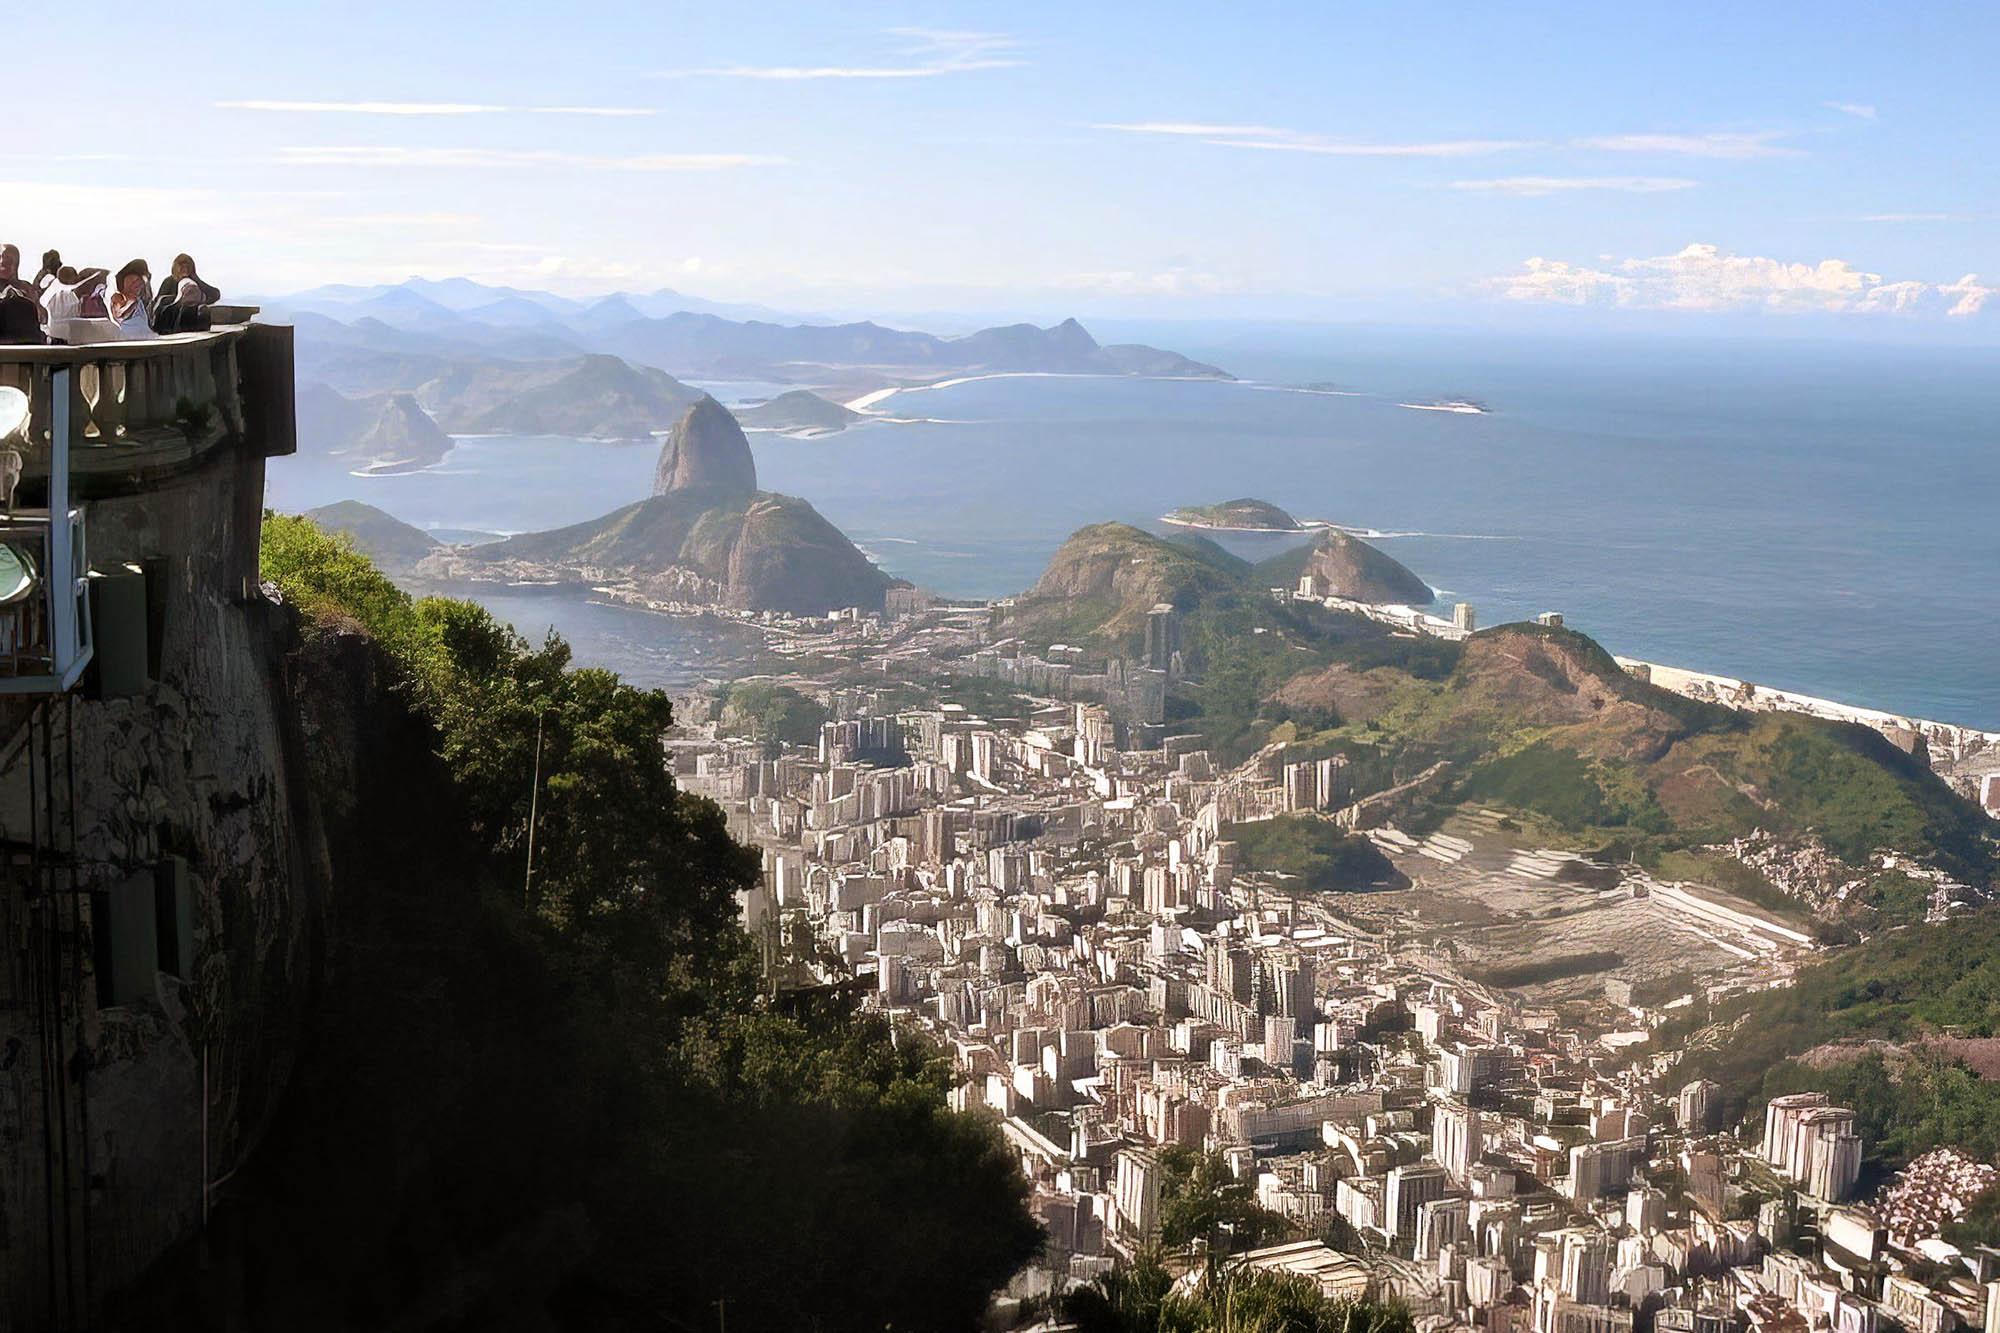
{"x": 1821, "y": 518}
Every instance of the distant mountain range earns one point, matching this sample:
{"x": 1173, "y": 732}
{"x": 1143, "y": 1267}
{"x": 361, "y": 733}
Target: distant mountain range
{"x": 509, "y": 360}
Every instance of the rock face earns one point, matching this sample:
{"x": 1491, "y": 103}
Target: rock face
{"x": 706, "y": 451}
{"x": 1357, "y": 571}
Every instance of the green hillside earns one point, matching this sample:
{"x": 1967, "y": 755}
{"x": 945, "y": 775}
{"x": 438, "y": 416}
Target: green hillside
{"x": 1538, "y": 720}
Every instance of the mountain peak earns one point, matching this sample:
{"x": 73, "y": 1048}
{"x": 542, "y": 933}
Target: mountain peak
{"x": 706, "y": 449}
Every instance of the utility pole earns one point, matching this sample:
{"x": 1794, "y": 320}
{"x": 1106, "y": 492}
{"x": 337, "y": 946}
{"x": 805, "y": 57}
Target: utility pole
{"x": 534, "y": 808}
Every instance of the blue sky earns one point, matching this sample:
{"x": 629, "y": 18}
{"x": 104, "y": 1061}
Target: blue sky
{"x": 1794, "y": 166}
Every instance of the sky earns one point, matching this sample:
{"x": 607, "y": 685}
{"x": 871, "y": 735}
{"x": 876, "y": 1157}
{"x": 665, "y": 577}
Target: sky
{"x": 1792, "y": 167}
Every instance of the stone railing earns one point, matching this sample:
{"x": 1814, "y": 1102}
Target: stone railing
{"x": 177, "y": 390}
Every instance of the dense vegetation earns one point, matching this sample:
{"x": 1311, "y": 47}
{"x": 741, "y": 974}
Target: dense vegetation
{"x": 559, "y": 1100}
{"x": 776, "y": 714}
{"x": 1539, "y": 720}
{"x": 1899, "y": 986}
{"x": 1325, "y": 858}
{"x": 1924, "y": 1101}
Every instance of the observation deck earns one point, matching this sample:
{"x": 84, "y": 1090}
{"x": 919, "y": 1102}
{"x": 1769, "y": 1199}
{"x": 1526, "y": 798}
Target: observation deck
{"x": 108, "y": 420}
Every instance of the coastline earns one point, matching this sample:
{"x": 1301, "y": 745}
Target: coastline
{"x": 1748, "y": 696}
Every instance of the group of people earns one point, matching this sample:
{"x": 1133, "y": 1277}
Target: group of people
{"x": 65, "y": 304}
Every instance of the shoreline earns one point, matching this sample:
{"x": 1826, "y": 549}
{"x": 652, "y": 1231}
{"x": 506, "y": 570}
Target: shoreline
{"x": 1749, "y": 696}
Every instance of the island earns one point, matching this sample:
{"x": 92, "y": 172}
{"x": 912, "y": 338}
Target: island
{"x": 800, "y": 412}
{"x": 1243, "y": 515}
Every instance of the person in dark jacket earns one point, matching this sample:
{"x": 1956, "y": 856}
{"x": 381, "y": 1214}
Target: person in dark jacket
{"x": 186, "y": 312}
{"x": 183, "y": 267}
{"x": 20, "y": 305}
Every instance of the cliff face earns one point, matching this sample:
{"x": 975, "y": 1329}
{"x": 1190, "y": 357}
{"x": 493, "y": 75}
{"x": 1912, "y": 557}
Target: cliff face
{"x": 706, "y": 450}
{"x": 208, "y": 763}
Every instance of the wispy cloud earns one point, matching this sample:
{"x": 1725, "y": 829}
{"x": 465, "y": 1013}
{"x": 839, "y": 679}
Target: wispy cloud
{"x": 926, "y": 54}
{"x": 1707, "y": 278}
{"x": 1722, "y": 144}
{"x": 1726, "y": 144}
{"x": 387, "y": 155}
{"x": 1859, "y": 110}
{"x": 1273, "y": 139}
{"x": 427, "y": 109}
{"x": 1533, "y": 186}
{"x": 1917, "y": 217}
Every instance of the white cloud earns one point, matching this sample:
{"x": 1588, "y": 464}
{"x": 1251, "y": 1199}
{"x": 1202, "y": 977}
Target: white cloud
{"x": 1535, "y": 186}
{"x": 929, "y": 52}
{"x": 1706, "y": 278}
{"x": 1859, "y": 110}
{"x": 387, "y": 155}
{"x": 1758, "y": 143}
{"x": 1294, "y": 141}
{"x": 429, "y": 109}
{"x": 1971, "y": 295}
{"x": 1915, "y": 217}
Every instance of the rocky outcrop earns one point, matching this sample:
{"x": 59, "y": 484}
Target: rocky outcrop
{"x": 1351, "y": 568}
{"x": 751, "y": 552}
{"x": 706, "y": 451}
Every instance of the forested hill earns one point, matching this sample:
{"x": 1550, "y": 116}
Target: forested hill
{"x": 558, "y": 1100}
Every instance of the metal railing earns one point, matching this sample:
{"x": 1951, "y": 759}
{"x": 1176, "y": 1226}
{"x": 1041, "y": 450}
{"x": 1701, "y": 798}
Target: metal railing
{"x": 45, "y": 630}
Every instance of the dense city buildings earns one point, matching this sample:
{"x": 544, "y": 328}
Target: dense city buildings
{"x": 1063, "y": 901}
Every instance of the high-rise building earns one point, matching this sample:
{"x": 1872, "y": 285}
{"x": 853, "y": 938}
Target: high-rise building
{"x": 1163, "y": 636}
{"x": 1457, "y": 1139}
{"x": 1464, "y": 617}
{"x": 1409, "y": 1188}
{"x": 1700, "y": 1107}
{"x": 1585, "y": 1275}
{"x": 1136, "y": 1193}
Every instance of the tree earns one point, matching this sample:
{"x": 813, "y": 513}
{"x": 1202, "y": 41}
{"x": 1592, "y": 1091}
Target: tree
{"x": 560, "y": 1100}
